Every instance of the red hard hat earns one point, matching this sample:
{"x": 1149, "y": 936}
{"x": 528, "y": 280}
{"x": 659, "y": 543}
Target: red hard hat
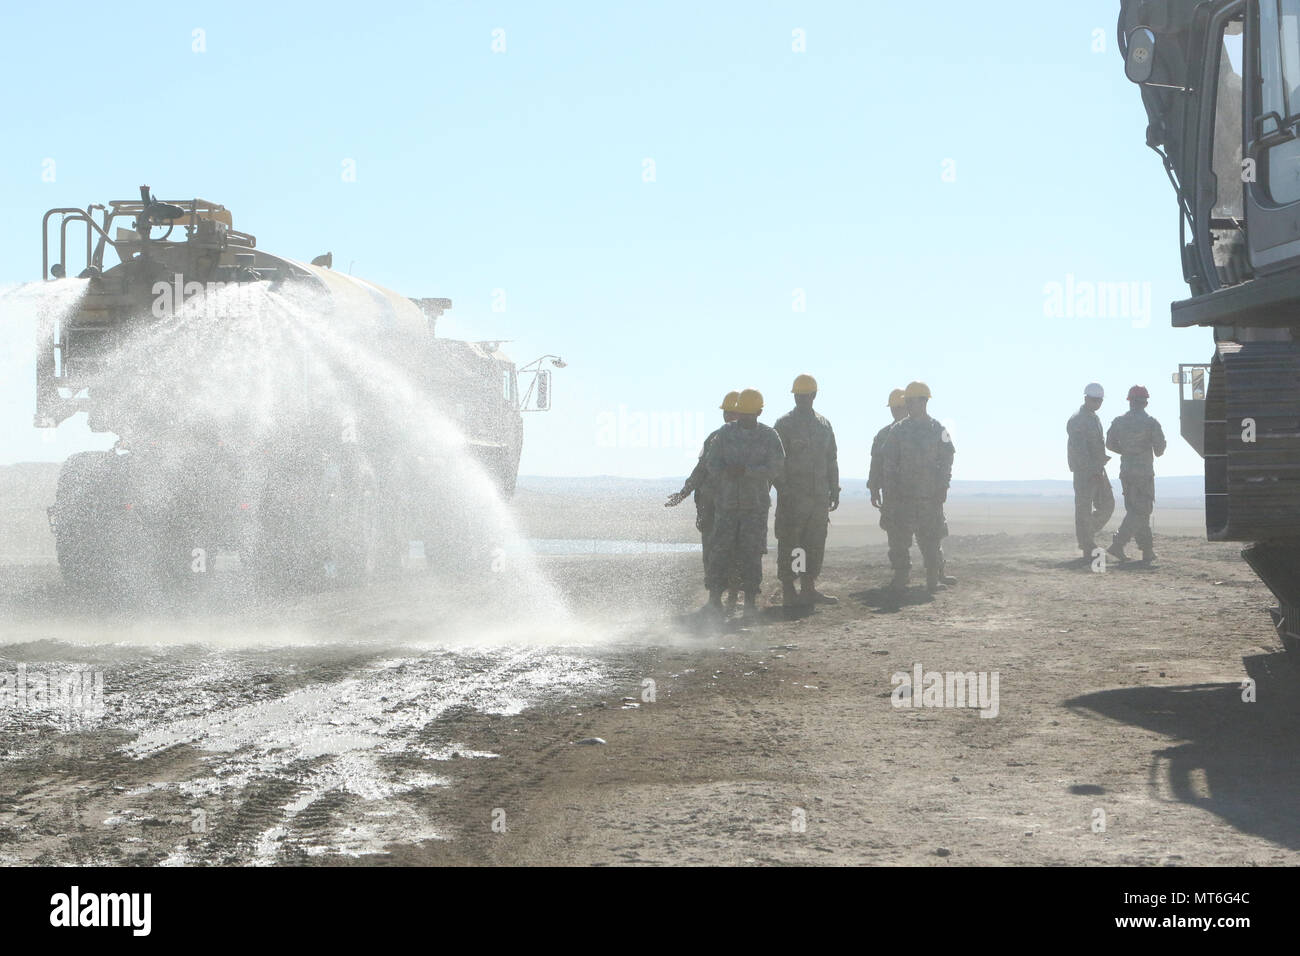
{"x": 1138, "y": 391}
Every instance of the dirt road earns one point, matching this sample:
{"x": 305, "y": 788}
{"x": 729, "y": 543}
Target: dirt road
{"x": 401, "y": 725}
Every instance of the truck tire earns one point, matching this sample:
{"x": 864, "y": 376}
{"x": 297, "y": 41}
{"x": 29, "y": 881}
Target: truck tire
{"x": 81, "y": 523}
{"x": 354, "y": 550}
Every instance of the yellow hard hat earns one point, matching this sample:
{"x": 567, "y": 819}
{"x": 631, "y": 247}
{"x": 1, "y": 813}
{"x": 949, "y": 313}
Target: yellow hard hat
{"x": 916, "y": 390}
{"x": 730, "y": 401}
{"x": 804, "y": 385}
{"x": 751, "y": 402}
{"x": 896, "y": 398}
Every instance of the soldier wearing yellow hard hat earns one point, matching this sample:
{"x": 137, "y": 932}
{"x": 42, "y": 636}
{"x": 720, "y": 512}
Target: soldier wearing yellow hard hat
{"x": 806, "y": 494}
{"x": 804, "y": 385}
{"x": 875, "y": 476}
{"x": 744, "y": 460}
{"x": 703, "y": 487}
{"x": 917, "y": 456}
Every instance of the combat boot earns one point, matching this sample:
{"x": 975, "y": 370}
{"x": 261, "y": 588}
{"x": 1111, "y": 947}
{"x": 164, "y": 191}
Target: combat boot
{"x": 898, "y": 582}
{"x": 714, "y": 607}
{"x": 937, "y": 580}
{"x": 1148, "y": 555}
{"x": 1116, "y": 551}
{"x": 809, "y": 594}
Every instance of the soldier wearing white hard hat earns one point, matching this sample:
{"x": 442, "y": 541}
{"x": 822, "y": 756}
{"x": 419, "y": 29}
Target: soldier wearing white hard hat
{"x": 1094, "y": 501}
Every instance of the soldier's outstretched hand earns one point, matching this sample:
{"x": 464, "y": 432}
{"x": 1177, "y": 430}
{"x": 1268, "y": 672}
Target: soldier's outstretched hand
{"x": 676, "y": 498}
{"x": 875, "y": 499}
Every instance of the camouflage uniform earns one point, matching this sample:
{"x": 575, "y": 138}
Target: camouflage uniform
{"x": 876, "y": 475}
{"x": 705, "y": 494}
{"x": 916, "y": 470}
{"x": 702, "y": 486}
{"x": 803, "y": 495}
{"x": 740, "y": 521}
{"x": 1094, "y": 502}
{"x": 1136, "y": 437}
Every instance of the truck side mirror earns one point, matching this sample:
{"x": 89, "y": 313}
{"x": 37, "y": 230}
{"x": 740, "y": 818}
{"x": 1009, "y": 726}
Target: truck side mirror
{"x": 1141, "y": 59}
{"x": 543, "y": 390}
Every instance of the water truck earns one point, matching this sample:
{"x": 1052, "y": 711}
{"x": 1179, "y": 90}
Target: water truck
{"x": 310, "y": 421}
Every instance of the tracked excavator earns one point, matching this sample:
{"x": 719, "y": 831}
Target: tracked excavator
{"x": 1220, "y": 80}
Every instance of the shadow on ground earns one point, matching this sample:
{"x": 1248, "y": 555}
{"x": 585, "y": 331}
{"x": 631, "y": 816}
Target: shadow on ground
{"x": 888, "y": 601}
{"x": 1249, "y": 753}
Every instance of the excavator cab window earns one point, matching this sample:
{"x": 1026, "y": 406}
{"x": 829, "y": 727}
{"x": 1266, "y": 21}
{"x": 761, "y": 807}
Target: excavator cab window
{"x": 1227, "y": 216}
{"x": 1228, "y": 125}
{"x": 1273, "y": 104}
{"x": 1279, "y": 92}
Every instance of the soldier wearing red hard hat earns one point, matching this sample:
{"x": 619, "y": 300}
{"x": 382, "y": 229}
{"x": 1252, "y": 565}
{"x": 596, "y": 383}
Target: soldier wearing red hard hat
{"x": 1138, "y": 439}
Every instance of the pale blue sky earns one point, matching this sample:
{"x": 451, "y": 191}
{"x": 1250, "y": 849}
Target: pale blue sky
{"x": 775, "y": 171}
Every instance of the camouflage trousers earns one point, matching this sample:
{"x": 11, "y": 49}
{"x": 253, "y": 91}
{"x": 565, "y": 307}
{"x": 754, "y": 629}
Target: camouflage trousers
{"x": 922, "y": 517}
{"x": 738, "y": 542}
{"x": 705, "y": 516}
{"x": 1139, "y": 502}
{"x": 801, "y": 522}
{"x": 1094, "y": 503}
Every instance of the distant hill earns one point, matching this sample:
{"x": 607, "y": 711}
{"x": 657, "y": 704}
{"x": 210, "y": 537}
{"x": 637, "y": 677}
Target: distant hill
{"x": 1175, "y": 486}
{"x": 34, "y": 481}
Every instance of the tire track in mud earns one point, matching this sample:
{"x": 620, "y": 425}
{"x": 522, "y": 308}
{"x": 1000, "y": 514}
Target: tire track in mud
{"x": 317, "y": 770}
{"x": 287, "y": 753}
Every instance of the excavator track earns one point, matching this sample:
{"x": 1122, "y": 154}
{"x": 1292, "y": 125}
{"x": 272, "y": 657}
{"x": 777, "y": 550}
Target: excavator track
{"x": 1252, "y": 443}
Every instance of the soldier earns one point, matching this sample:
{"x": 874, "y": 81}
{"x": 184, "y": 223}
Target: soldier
{"x": 1094, "y": 502}
{"x": 876, "y": 475}
{"x": 702, "y": 486}
{"x": 1135, "y": 436}
{"x": 917, "y": 470}
{"x": 806, "y": 494}
{"x": 744, "y": 461}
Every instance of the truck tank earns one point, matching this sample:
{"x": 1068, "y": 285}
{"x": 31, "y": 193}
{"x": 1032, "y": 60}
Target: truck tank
{"x": 1220, "y": 80}
{"x": 311, "y": 421}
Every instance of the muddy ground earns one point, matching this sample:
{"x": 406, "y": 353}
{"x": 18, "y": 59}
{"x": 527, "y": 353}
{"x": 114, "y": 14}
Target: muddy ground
{"x": 423, "y": 721}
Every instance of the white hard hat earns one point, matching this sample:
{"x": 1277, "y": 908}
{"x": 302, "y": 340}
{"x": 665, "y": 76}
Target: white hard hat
{"x": 1093, "y": 390}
